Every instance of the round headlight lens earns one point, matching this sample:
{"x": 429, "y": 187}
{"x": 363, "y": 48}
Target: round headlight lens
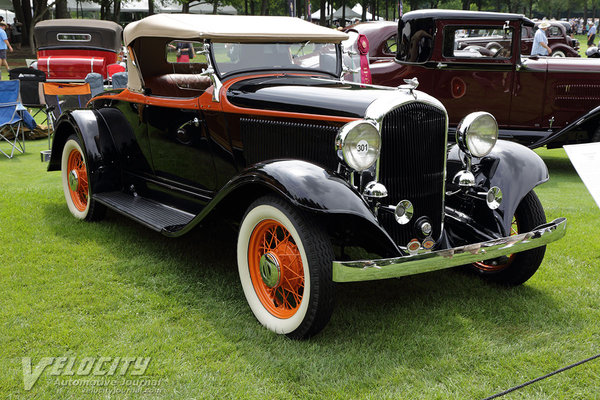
{"x": 358, "y": 144}
{"x": 477, "y": 133}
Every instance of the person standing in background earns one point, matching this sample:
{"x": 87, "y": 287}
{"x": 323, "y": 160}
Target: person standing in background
{"x": 540, "y": 41}
{"x": 4, "y": 44}
{"x": 591, "y": 34}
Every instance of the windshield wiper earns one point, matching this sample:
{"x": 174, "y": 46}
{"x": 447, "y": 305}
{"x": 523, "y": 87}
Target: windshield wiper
{"x": 302, "y": 46}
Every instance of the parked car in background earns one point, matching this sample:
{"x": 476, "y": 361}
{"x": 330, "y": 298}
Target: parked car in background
{"x": 330, "y": 181}
{"x": 382, "y": 38}
{"x": 536, "y": 100}
{"x": 559, "y": 39}
{"x": 559, "y": 36}
{"x": 69, "y": 49}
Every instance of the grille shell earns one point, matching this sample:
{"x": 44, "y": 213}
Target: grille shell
{"x": 412, "y": 166}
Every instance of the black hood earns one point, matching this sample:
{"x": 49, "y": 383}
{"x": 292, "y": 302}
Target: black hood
{"x": 309, "y": 95}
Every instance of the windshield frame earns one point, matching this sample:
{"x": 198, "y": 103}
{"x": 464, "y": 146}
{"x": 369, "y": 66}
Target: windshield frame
{"x": 275, "y": 70}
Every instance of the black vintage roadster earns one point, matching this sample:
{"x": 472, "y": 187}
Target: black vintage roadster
{"x": 260, "y": 126}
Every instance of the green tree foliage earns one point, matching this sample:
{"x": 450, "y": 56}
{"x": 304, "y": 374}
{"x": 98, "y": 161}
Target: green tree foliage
{"x": 387, "y": 9}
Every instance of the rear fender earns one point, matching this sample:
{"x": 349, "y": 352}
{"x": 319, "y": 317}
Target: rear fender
{"x": 514, "y": 168}
{"x": 97, "y": 143}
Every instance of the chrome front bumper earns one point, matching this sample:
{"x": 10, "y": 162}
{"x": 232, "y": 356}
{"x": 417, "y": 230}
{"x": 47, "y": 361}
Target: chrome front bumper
{"x": 367, "y": 270}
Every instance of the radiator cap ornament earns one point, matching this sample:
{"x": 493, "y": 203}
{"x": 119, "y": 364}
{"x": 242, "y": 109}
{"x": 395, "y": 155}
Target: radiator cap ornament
{"x": 410, "y": 84}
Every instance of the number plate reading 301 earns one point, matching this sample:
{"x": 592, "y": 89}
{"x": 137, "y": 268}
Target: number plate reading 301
{"x": 362, "y": 147}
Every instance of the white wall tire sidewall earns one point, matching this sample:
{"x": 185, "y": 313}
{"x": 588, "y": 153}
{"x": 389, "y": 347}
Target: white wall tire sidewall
{"x": 558, "y": 54}
{"x": 70, "y": 146}
{"x": 277, "y": 325}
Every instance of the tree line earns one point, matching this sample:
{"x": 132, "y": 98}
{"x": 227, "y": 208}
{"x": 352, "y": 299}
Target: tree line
{"x": 31, "y": 13}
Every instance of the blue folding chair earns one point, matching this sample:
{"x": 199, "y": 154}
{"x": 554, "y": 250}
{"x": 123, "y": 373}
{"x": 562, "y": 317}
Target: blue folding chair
{"x": 10, "y": 117}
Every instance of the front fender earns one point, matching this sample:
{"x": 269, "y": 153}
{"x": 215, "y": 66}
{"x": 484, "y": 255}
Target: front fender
{"x": 309, "y": 187}
{"x": 96, "y": 141}
{"x": 514, "y": 168}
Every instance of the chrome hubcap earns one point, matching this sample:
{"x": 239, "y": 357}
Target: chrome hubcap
{"x": 269, "y": 270}
{"x": 73, "y": 180}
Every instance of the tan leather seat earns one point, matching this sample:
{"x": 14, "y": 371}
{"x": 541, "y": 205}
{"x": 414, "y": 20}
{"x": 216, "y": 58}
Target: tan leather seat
{"x": 178, "y": 85}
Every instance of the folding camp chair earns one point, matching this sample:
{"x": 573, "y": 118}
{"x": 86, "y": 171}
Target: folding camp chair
{"x": 31, "y": 79}
{"x": 61, "y": 97}
{"x": 119, "y": 80}
{"x": 10, "y": 117}
{"x": 96, "y": 83}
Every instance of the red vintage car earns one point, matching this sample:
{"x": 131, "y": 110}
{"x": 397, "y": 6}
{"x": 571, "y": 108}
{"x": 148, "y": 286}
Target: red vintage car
{"x": 536, "y": 100}
{"x": 382, "y": 38}
{"x": 69, "y": 49}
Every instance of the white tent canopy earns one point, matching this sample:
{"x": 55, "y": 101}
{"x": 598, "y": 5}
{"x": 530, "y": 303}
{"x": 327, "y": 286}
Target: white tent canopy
{"x": 317, "y": 14}
{"x": 142, "y": 6}
{"x": 358, "y": 9}
{"x": 350, "y": 14}
{"x": 9, "y": 16}
{"x": 73, "y": 5}
{"x": 356, "y": 12}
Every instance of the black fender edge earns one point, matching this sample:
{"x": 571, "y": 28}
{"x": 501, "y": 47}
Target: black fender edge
{"x": 95, "y": 136}
{"x": 338, "y": 206}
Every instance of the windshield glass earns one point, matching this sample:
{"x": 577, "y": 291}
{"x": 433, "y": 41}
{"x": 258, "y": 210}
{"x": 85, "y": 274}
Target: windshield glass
{"x": 232, "y": 58}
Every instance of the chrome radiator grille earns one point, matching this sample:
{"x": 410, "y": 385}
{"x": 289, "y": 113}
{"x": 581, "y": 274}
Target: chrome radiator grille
{"x": 412, "y": 166}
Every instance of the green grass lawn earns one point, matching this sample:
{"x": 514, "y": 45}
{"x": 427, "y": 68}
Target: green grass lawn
{"x": 116, "y": 289}
{"x": 582, "y": 44}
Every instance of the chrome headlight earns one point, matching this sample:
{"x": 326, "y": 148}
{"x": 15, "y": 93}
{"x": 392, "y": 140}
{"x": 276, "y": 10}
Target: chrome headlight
{"x": 358, "y": 144}
{"x": 477, "y": 133}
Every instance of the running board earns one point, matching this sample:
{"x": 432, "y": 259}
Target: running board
{"x": 157, "y": 216}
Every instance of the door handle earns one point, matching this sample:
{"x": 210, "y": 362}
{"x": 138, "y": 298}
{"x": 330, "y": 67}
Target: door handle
{"x": 441, "y": 65}
{"x": 195, "y": 122}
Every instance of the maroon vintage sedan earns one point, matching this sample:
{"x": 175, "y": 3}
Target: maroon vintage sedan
{"x": 536, "y": 100}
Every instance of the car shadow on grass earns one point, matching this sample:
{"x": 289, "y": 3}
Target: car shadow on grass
{"x": 376, "y": 327}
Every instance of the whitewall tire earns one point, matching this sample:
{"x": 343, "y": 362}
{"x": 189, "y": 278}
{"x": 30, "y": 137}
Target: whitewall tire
{"x": 284, "y": 263}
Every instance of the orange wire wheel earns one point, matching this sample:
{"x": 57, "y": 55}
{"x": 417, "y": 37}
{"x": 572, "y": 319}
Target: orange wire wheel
{"x": 75, "y": 181}
{"x": 285, "y": 267}
{"x": 78, "y": 180}
{"x": 494, "y": 265}
{"x": 276, "y": 269}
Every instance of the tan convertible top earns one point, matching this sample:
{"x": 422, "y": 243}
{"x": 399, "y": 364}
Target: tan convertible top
{"x": 237, "y": 28}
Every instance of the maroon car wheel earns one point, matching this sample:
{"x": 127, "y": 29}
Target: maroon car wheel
{"x": 516, "y": 269}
